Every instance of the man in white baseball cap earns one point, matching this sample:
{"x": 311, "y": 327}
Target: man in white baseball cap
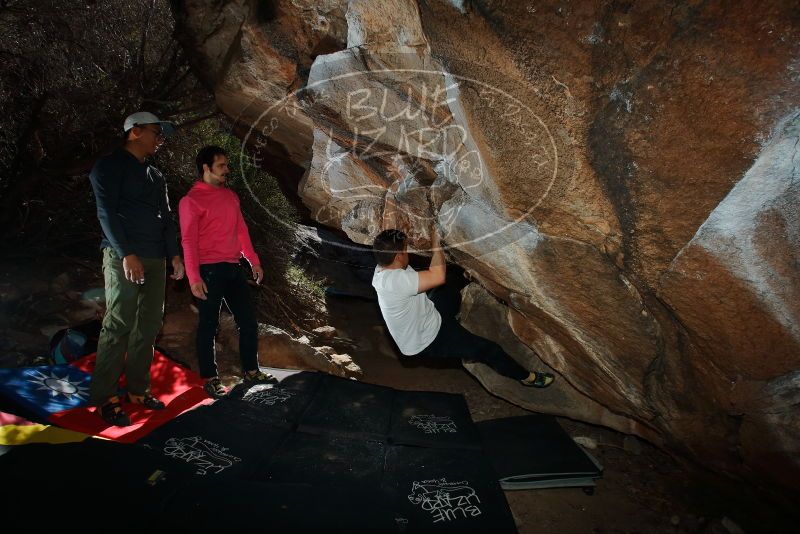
{"x": 139, "y": 233}
{"x": 140, "y": 118}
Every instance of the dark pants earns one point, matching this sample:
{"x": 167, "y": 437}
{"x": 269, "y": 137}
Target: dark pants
{"x": 455, "y": 341}
{"x": 226, "y": 281}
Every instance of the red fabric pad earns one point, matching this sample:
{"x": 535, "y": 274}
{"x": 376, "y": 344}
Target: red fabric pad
{"x": 11, "y": 419}
{"x": 179, "y": 388}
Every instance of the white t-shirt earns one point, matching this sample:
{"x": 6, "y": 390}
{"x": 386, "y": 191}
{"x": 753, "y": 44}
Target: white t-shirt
{"x": 411, "y": 317}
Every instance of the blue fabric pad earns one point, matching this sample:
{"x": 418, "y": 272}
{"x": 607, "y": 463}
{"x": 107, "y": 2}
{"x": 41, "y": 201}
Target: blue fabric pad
{"x": 45, "y": 390}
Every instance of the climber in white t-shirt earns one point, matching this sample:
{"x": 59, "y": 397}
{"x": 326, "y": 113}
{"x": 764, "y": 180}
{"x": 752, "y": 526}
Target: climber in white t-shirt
{"x": 420, "y": 311}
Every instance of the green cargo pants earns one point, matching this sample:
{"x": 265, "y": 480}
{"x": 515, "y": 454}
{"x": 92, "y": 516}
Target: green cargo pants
{"x": 133, "y": 318}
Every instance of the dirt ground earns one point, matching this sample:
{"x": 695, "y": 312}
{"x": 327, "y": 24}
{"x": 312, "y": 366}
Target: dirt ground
{"x": 643, "y": 489}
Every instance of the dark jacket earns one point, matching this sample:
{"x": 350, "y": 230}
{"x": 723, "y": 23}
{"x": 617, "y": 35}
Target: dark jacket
{"x": 133, "y": 207}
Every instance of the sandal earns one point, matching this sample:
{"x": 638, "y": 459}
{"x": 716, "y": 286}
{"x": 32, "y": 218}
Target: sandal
{"x": 257, "y": 375}
{"x": 214, "y": 388}
{"x": 112, "y": 413}
{"x": 538, "y": 379}
{"x": 147, "y": 400}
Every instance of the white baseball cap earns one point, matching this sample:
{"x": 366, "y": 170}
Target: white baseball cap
{"x": 144, "y": 117}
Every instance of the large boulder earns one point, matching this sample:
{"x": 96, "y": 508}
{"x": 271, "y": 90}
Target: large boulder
{"x": 278, "y": 348}
{"x": 736, "y": 290}
{"x": 620, "y": 177}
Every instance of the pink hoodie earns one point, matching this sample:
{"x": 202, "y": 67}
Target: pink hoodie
{"x": 212, "y": 229}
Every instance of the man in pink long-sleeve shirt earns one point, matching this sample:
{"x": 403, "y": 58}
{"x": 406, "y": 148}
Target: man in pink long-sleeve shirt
{"x": 215, "y": 237}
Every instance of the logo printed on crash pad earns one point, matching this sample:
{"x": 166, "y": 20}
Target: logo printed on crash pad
{"x": 207, "y": 456}
{"x": 446, "y": 501}
{"x": 60, "y": 386}
{"x": 268, "y": 395}
{"x": 433, "y": 424}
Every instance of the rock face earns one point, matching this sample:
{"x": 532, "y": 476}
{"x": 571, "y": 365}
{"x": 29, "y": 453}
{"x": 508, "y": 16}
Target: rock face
{"x": 621, "y": 178}
{"x": 277, "y": 348}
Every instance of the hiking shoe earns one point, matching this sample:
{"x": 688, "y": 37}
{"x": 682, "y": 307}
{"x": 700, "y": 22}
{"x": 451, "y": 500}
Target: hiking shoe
{"x": 147, "y": 400}
{"x": 538, "y": 379}
{"x": 112, "y": 413}
{"x": 257, "y": 375}
{"x": 214, "y": 388}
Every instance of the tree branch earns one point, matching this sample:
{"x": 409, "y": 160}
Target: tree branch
{"x": 143, "y": 45}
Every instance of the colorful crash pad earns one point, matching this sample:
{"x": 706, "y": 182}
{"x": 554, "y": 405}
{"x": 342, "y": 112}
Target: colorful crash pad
{"x": 15, "y": 430}
{"x": 178, "y": 387}
{"x": 45, "y": 390}
{"x": 59, "y": 394}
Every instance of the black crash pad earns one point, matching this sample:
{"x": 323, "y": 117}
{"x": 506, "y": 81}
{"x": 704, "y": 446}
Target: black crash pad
{"x": 445, "y": 490}
{"x": 224, "y": 439}
{"x": 534, "y": 449}
{"x": 433, "y": 419}
{"x": 349, "y": 408}
{"x": 280, "y": 404}
{"x": 253, "y": 506}
{"x": 319, "y": 460}
{"x": 297, "y": 380}
{"x": 93, "y": 477}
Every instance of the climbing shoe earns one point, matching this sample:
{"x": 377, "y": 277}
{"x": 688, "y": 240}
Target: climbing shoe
{"x": 538, "y": 379}
{"x": 214, "y": 388}
{"x": 147, "y": 400}
{"x": 257, "y": 375}
{"x": 112, "y": 413}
